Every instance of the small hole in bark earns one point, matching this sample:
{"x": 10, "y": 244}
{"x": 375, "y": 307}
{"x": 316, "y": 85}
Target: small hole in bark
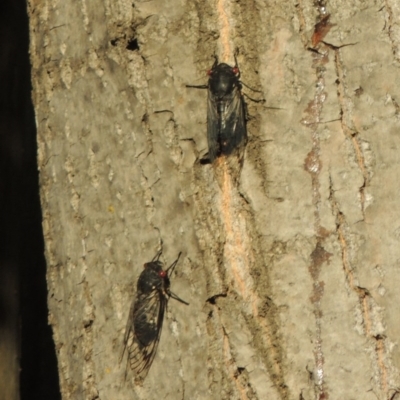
{"x": 212, "y": 299}
{"x": 133, "y": 45}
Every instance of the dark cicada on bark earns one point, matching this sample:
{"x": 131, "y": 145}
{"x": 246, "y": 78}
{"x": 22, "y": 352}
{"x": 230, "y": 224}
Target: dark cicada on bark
{"x": 226, "y": 116}
{"x": 146, "y": 316}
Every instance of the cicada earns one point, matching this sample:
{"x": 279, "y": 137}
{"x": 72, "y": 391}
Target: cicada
{"x": 226, "y": 110}
{"x": 146, "y": 316}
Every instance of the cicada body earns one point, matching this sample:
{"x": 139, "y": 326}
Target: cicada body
{"x": 226, "y": 116}
{"x": 146, "y": 316}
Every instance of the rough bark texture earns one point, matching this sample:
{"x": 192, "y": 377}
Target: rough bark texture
{"x": 291, "y": 263}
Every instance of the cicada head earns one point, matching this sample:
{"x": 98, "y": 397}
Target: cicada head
{"x": 223, "y": 80}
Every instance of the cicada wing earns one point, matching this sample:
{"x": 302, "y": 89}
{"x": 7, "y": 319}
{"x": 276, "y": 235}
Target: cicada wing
{"x": 233, "y": 122}
{"x": 213, "y": 127}
{"x": 143, "y": 332}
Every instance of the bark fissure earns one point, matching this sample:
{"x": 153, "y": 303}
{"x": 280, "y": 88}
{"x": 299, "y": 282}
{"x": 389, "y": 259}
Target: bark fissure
{"x": 373, "y": 326}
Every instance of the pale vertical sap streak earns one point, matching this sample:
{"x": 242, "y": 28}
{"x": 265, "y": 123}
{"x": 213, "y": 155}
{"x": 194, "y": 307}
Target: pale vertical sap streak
{"x": 237, "y": 251}
{"x": 225, "y": 23}
{"x": 239, "y": 257}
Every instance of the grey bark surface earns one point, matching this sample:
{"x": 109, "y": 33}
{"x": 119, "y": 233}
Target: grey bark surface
{"x": 291, "y": 260}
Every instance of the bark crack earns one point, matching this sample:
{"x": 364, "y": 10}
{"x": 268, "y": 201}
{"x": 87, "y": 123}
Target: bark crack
{"x": 346, "y": 107}
{"x": 392, "y": 27}
{"x": 373, "y": 327}
{"x": 237, "y": 374}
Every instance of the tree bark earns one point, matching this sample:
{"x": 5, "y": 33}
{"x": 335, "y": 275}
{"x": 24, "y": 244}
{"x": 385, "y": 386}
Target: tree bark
{"x": 290, "y": 259}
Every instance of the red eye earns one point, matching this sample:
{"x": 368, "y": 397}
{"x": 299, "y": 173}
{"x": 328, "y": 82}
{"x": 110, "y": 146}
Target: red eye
{"x": 235, "y": 70}
{"x": 209, "y": 72}
{"x": 162, "y": 274}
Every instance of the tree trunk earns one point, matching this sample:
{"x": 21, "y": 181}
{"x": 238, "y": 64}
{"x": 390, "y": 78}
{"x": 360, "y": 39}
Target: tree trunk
{"x": 290, "y": 258}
